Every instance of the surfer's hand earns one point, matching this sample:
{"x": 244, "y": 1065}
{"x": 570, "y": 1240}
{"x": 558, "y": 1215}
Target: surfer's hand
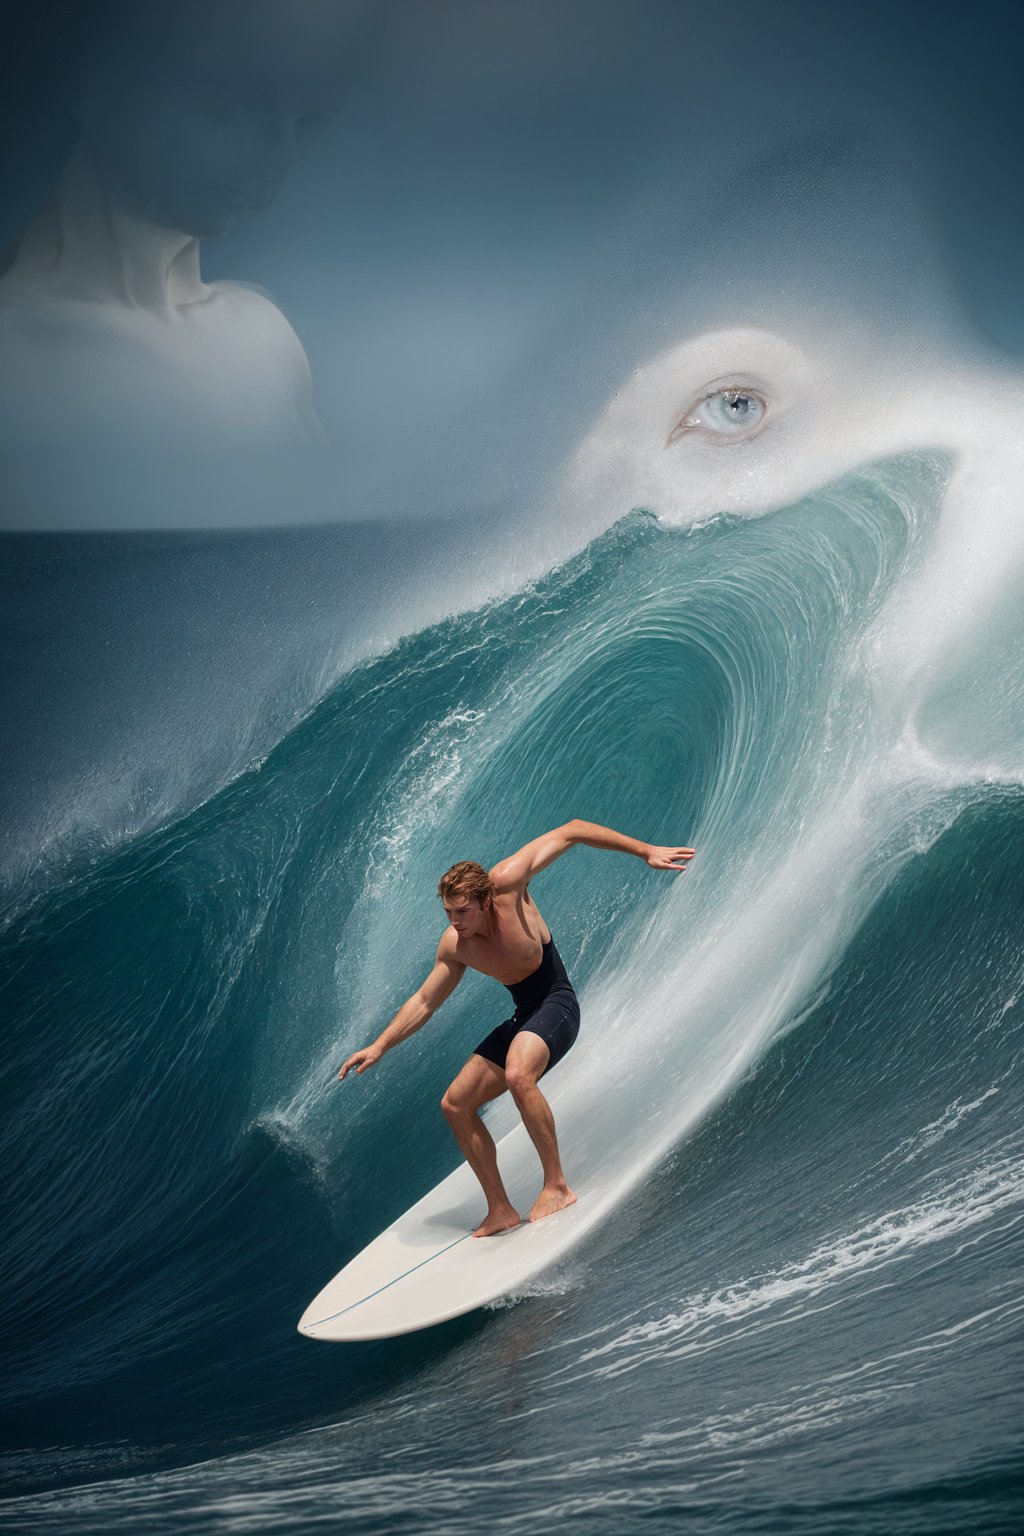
{"x": 670, "y": 858}
{"x": 361, "y": 1060}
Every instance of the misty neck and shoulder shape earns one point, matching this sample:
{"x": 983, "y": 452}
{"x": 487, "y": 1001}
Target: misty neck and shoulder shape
{"x": 495, "y": 927}
{"x": 110, "y": 337}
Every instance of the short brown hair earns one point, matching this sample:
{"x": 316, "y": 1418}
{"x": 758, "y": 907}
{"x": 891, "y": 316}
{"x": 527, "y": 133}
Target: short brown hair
{"x": 468, "y": 879}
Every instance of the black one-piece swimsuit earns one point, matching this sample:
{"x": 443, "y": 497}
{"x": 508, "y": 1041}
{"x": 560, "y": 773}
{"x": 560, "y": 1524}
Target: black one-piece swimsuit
{"x": 546, "y": 1005}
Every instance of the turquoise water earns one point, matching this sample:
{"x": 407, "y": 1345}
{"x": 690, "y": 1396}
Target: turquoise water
{"x": 798, "y": 1071}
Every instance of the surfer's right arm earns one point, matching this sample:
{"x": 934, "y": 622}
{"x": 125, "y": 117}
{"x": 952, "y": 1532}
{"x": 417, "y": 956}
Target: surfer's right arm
{"x": 416, "y": 1010}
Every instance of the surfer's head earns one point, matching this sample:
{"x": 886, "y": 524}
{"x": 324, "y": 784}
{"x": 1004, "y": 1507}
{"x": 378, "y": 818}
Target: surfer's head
{"x": 467, "y": 894}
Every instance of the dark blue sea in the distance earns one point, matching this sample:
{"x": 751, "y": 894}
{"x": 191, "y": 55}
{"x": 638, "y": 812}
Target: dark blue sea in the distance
{"x": 801, "y": 1061}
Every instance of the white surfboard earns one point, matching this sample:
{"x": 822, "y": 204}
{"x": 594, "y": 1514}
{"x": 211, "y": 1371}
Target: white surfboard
{"x": 428, "y": 1267}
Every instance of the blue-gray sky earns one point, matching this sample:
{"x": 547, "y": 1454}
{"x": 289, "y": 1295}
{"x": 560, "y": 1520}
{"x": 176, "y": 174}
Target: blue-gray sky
{"x": 465, "y": 248}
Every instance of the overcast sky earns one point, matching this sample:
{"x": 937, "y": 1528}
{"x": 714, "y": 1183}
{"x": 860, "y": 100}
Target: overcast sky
{"x": 505, "y": 186}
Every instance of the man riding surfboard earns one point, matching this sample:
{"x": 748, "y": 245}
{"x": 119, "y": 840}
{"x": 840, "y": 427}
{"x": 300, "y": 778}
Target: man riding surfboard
{"x": 496, "y": 927}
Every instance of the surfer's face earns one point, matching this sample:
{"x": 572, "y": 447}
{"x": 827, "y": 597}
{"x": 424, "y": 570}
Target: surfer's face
{"x": 466, "y": 916}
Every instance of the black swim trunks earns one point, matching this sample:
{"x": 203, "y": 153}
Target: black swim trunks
{"x": 546, "y": 1005}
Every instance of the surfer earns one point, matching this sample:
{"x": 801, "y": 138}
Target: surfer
{"x": 495, "y": 927}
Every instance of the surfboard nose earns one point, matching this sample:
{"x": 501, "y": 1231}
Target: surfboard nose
{"x": 312, "y": 1319}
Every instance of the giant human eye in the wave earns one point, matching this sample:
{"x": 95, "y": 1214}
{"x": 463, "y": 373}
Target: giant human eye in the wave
{"x": 725, "y": 414}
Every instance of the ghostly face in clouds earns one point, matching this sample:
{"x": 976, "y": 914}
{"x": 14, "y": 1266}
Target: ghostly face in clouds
{"x": 193, "y": 116}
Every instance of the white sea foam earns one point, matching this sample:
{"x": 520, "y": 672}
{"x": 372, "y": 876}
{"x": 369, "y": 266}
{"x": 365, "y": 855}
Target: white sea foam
{"x": 913, "y": 1147}
{"x": 708, "y": 1319}
{"x": 435, "y": 773}
{"x": 563, "y": 1280}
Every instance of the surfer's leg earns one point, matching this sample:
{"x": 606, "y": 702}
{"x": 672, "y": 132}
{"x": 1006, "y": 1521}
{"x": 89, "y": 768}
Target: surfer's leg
{"x": 526, "y": 1061}
{"x": 480, "y": 1081}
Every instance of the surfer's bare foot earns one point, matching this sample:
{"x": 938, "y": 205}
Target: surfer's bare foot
{"x": 550, "y": 1200}
{"x": 501, "y": 1220}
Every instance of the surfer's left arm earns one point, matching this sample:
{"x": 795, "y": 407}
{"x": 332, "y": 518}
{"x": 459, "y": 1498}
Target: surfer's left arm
{"x": 543, "y": 851}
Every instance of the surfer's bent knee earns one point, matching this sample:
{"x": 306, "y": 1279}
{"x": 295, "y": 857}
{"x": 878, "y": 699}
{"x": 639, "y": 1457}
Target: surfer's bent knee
{"x": 521, "y": 1079}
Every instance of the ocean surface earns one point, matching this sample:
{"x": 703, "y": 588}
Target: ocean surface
{"x": 799, "y": 1067}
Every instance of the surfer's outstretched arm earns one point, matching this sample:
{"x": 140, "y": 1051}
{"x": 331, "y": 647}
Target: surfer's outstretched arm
{"x": 416, "y": 1010}
{"x": 542, "y": 851}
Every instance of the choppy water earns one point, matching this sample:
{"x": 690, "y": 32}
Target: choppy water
{"x": 799, "y": 1307}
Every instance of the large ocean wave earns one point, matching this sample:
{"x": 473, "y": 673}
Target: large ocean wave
{"x": 796, "y": 1076}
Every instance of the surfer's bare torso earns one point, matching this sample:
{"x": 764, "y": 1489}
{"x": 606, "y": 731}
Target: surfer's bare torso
{"x": 514, "y": 949}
